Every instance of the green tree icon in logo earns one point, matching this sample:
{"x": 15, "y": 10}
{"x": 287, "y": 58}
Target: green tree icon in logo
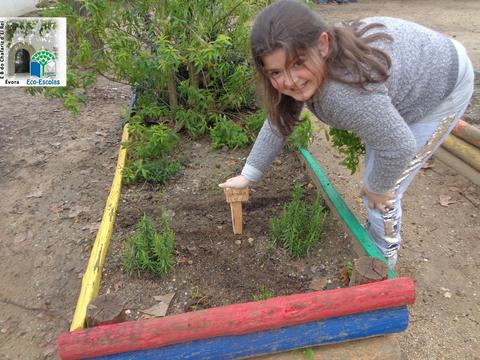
{"x": 43, "y": 57}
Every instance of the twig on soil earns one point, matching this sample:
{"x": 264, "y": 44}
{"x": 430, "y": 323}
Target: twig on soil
{"x": 470, "y": 200}
{"x": 43, "y": 310}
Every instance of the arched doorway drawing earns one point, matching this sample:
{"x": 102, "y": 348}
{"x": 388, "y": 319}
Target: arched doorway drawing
{"x": 19, "y": 56}
{"x": 22, "y": 62}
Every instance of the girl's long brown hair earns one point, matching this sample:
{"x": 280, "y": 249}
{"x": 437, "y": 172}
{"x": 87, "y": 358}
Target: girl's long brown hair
{"x": 292, "y": 26}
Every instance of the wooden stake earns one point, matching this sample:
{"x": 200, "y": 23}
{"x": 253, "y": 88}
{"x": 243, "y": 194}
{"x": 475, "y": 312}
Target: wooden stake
{"x": 367, "y": 269}
{"x": 235, "y": 197}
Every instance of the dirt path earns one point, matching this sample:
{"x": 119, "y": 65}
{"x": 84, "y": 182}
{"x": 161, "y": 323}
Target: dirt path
{"x": 56, "y": 170}
{"x": 55, "y": 174}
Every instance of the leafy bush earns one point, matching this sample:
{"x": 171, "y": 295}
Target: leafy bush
{"x": 300, "y": 224}
{"x": 302, "y": 134}
{"x": 194, "y": 122}
{"x": 154, "y": 171}
{"x": 185, "y": 56}
{"x": 227, "y": 133}
{"x": 148, "y": 250}
{"x": 150, "y": 150}
{"x": 254, "y": 122}
{"x": 349, "y": 144}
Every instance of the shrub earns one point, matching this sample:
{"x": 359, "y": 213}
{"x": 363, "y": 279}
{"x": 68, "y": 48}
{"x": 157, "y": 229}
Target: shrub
{"x": 299, "y": 226}
{"x": 148, "y": 250}
{"x": 254, "y": 122}
{"x": 349, "y": 144}
{"x": 185, "y": 57}
{"x": 302, "y": 134}
{"x": 227, "y": 133}
{"x": 150, "y": 150}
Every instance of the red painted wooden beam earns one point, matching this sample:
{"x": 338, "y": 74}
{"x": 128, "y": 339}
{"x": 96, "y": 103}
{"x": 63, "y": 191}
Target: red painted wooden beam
{"x": 235, "y": 319}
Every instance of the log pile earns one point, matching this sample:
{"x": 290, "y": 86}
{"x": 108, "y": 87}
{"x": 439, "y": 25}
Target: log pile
{"x": 461, "y": 151}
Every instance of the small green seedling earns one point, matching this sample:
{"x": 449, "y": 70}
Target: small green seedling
{"x": 264, "y": 294}
{"x": 149, "y": 250}
{"x": 300, "y": 225}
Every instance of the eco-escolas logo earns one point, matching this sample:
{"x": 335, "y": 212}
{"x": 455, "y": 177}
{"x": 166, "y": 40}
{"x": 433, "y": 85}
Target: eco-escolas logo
{"x": 33, "y": 51}
{"x": 42, "y": 64}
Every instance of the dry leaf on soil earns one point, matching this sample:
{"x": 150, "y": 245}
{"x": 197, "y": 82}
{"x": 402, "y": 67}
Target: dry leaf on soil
{"x": 161, "y": 308}
{"x": 446, "y": 200}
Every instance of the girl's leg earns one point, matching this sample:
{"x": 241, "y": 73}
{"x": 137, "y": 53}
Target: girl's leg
{"x": 429, "y": 133}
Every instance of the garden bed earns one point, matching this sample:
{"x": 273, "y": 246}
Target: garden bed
{"x": 214, "y": 267}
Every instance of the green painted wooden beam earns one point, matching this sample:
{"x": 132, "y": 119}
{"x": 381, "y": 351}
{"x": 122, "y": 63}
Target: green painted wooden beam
{"x": 344, "y": 211}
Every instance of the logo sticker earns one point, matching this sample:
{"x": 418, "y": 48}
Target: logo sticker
{"x": 33, "y": 51}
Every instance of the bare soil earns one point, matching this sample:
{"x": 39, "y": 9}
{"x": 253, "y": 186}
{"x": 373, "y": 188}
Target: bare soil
{"x": 56, "y": 171}
{"x": 214, "y": 267}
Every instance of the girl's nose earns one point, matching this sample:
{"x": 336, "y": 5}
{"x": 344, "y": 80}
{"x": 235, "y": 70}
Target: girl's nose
{"x": 290, "y": 80}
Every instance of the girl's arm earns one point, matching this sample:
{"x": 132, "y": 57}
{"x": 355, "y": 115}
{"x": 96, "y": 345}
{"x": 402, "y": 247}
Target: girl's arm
{"x": 267, "y": 145}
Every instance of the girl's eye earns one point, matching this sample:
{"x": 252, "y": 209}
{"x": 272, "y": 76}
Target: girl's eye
{"x": 274, "y": 74}
{"x": 299, "y": 63}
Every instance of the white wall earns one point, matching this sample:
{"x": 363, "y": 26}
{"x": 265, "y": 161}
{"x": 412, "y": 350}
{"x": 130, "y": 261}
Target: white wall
{"x": 16, "y": 7}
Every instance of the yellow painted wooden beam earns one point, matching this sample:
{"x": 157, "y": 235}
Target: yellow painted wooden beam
{"x": 463, "y": 150}
{"x": 93, "y": 273}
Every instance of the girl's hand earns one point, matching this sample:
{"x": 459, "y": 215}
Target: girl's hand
{"x": 382, "y": 202}
{"x": 238, "y": 182}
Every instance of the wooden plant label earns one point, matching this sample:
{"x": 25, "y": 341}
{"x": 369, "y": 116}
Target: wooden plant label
{"x": 235, "y": 197}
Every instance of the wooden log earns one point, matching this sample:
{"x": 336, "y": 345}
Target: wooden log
{"x": 376, "y": 348}
{"x": 362, "y": 243}
{"x": 236, "y": 319}
{"x": 463, "y": 150}
{"x": 457, "y": 164}
{"x": 328, "y": 331}
{"x": 368, "y": 269}
{"x": 106, "y": 309}
{"x": 235, "y": 197}
{"x": 467, "y": 132}
{"x": 93, "y": 273}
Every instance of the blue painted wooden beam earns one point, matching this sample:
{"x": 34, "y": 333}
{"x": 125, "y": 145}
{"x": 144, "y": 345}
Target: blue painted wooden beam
{"x": 326, "y": 331}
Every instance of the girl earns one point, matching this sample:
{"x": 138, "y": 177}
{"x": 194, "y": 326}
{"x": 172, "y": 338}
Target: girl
{"x": 399, "y": 86}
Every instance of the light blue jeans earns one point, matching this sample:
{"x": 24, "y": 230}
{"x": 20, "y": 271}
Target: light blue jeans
{"x": 430, "y": 132}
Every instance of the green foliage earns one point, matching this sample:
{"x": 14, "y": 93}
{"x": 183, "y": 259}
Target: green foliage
{"x": 254, "y": 122}
{"x": 188, "y": 58}
{"x": 309, "y": 354}
{"x": 300, "y": 224}
{"x": 302, "y": 134}
{"x": 349, "y": 144}
{"x": 156, "y": 171}
{"x": 194, "y": 122}
{"x": 264, "y": 294}
{"x": 149, "y": 250}
{"x": 227, "y": 133}
{"x": 150, "y": 149}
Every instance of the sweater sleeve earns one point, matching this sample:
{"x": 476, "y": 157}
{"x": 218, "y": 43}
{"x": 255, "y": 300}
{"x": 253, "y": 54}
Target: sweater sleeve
{"x": 267, "y": 145}
{"x": 372, "y": 116}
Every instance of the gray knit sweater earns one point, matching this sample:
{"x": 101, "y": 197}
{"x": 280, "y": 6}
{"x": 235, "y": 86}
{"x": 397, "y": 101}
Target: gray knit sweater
{"x": 423, "y": 73}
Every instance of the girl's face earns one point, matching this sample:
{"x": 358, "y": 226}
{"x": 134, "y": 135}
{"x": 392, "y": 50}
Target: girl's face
{"x": 300, "y": 80}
